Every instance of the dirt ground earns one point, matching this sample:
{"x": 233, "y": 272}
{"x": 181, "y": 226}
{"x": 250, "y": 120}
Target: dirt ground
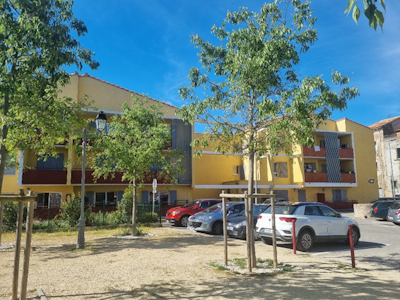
{"x": 175, "y": 264}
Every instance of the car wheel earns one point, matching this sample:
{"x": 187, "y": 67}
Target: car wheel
{"x": 356, "y": 236}
{"x": 184, "y": 221}
{"x": 305, "y": 241}
{"x": 266, "y": 240}
{"x": 217, "y": 228}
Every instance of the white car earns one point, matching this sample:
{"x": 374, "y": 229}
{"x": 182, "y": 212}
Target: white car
{"x": 314, "y": 222}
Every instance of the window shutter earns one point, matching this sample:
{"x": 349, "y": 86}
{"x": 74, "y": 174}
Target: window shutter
{"x": 120, "y": 195}
{"x": 145, "y": 196}
{"x": 314, "y": 166}
{"x": 172, "y": 197}
{"x": 283, "y": 169}
{"x": 90, "y": 195}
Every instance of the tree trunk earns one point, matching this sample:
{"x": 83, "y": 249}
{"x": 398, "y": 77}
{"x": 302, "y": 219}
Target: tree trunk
{"x": 274, "y": 248}
{"x": 3, "y": 156}
{"x": 134, "y": 230}
{"x": 249, "y": 214}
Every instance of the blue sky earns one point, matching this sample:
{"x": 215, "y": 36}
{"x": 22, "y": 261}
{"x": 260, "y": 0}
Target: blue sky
{"x": 145, "y": 46}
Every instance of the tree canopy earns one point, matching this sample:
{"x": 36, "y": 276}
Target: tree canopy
{"x": 253, "y": 99}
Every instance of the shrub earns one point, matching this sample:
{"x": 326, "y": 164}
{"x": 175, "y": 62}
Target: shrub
{"x": 70, "y": 210}
{"x": 125, "y": 206}
{"x": 114, "y": 218}
{"x": 148, "y": 217}
{"x": 10, "y": 216}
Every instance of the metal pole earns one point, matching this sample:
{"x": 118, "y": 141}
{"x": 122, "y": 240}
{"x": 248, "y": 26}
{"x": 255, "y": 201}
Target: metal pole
{"x": 81, "y": 234}
{"x": 225, "y": 230}
{"x": 391, "y": 166}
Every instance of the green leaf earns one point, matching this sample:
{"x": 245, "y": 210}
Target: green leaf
{"x": 383, "y": 4}
{"x": 373, "y": 22}
{"x": 370, "y": 13}
{"x": 380, "y": 18}
{"x": 350, "y": 4}
{"x": 356, "y": 14}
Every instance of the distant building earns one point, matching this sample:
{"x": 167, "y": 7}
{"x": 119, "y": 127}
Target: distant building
{"x": 387, "y": 150}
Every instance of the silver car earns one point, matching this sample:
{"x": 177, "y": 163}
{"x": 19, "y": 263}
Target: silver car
{"x": 394, "y": 213}
{"x": 210, "y": 220}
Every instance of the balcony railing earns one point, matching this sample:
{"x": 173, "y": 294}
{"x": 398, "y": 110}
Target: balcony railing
{"x": 77, "y": 174}
{"x": 311, "y": 152}
{"x": 323, "y": 177}
{"x": 44, "y": 177}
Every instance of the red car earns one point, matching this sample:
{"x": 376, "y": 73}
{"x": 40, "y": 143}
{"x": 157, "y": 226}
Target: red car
{"x": 179, "y": 215}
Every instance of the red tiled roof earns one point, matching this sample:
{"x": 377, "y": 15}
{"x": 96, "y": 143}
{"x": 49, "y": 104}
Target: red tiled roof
{"x": 382, "y": 122}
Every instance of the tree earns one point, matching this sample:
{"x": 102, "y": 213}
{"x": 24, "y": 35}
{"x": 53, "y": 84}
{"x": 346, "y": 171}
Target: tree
{"x": 137, "y": 141}
{"x": 253, "y": 92}
{"x": 37, "y": 39}
{"x": 371, "y": 11}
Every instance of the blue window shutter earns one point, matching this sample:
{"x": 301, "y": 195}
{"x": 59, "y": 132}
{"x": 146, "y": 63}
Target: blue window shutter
{"x": 173, "y": 196}
{"x": 90, "y": 196}
{"x": 51, "y": 163}
{"x": 145, "y": 196}
{"x": 120, "y": 194}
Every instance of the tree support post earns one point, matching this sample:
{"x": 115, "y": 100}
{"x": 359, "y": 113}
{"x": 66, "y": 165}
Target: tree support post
{"x": 225, "y": 231}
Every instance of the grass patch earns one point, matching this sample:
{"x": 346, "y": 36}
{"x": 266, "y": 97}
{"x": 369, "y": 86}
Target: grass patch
{"x": 218, "y": 266}
{"x": 341, "y": 266}
{"x": 240, "y": 262}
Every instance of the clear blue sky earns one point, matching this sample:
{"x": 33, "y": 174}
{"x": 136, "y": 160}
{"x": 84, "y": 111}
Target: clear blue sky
{"x": 145, "y": 46}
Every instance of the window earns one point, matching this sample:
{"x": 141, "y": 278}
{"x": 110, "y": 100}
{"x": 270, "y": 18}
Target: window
{"x": 395, "y": 184}
{"x": 327, "y": 212}
{"x": 51, "y": 163}
{"x": 103, "y": 199}
{"x": 280, "y": 169}
{"x": 312, "y": 211}
{"x": 48, "y": 200}
{"x": 398, "y": 153}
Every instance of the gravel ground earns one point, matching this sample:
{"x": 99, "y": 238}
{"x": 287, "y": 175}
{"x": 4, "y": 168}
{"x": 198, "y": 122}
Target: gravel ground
{"x": 175, "y": 264}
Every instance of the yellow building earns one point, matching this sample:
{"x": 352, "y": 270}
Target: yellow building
{"x": 340, "y": 168}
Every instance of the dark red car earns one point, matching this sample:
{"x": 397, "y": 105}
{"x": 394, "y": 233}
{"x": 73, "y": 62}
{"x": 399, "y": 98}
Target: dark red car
{"x": 179, "y": 215}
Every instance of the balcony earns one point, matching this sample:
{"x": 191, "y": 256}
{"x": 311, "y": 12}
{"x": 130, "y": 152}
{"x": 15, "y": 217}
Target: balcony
{"x": 77, "y": 174}
{"x": 44, "y": 177}
{"x": 311, "y": 152}
{"x": 323, "y": 177}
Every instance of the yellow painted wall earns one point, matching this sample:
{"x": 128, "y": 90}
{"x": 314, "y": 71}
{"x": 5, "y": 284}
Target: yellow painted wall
{"x": 365, "y": 162}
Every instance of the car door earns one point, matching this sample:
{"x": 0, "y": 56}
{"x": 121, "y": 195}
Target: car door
{"x": 315, "y": 219}
{"x": 337, "y": 226}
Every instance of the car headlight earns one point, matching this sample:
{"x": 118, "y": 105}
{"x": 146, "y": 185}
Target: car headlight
{"x": 176, "y": 212}
{"x": 240, "y": 224}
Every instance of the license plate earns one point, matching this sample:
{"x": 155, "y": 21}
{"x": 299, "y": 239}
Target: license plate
{"x": 230, "y": 227}
{"x": 267, "y": 230}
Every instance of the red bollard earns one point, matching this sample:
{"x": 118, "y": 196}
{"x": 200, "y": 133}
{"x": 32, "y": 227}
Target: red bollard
{"x": 353, "y": 260}
{"x": 294, "y": 235}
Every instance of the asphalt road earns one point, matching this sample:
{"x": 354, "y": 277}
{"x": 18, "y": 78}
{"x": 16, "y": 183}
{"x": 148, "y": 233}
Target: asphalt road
{"x": 379, "y": 246}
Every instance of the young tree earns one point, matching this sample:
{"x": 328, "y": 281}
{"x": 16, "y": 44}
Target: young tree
{"x": 138, "y": 140}
{"x": 37, "y": 39}
{"x": 253, "y": 92}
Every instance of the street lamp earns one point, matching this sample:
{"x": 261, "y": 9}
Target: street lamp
{"x": 391, "y": 166}
{"x": 101, "y": 121}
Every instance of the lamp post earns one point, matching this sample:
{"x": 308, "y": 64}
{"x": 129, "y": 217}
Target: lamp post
{"x": 391, "y": 166}
{"x": 101, "y": 121}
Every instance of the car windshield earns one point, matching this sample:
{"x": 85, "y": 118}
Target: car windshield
{"x": 191, "y": 203}
{"x": 215, "y": 208}
{"x": 282, "y": 209}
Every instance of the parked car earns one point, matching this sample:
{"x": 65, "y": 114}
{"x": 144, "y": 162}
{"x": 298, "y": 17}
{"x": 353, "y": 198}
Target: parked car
{"x": 277, "y": 201}
{"x": 236, "y": 226}
{"x": 385, "y": 198}
{"x": 394, "y": 213}
{"x": 380, "y": 209}
{"x": 179, "y": 215}
{"x": 314, "y": 222}
{"x": 210, "y": 220}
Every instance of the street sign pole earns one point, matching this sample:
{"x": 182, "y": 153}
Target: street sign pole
{"x": 154, "y": 191}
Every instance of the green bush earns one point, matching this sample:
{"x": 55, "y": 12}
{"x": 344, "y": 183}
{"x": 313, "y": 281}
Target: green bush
{"x": 125, "y": 206}
{"x": 114, "y": 218}
{"x": 10, "y": 216}
{"x": 99, "y": 218}
{"x": 71, "y": 210}
{"x": 148, "y": 217}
